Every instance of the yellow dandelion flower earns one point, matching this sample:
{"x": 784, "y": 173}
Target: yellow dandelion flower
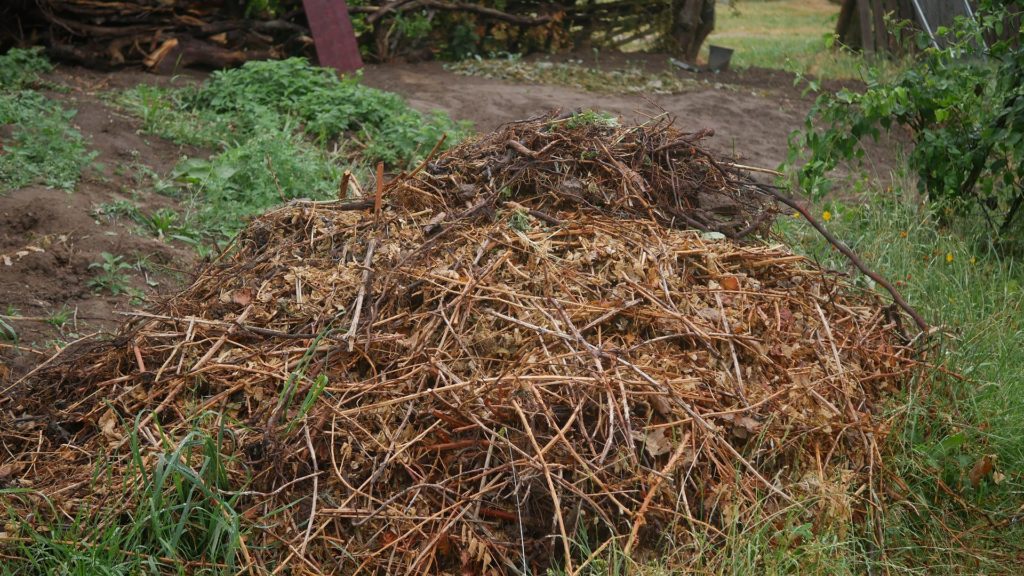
{"x": 826, "y": 216}
{"x": 949, "y": 257}
{"x": 796, "y": 214}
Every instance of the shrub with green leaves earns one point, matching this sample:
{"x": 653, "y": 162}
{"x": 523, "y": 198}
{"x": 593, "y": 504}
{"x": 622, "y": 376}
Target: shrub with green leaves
{"x": 43, "y": 147}
{"x": 963, "y": 107}
{"x": 328, "y": 107}
{"x": 21, "y": 68}
{"x": 273, "y": 123}
{"x": 254, "y": 175}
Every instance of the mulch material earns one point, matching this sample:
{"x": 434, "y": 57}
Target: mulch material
{"x": 522, "y": 345}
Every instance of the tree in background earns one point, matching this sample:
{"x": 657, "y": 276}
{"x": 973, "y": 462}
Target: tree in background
{"x": 692, "y": 22}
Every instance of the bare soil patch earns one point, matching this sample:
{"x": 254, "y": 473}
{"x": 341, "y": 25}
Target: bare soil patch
{"x": 751, "y": 112}
{"x": 50, "y": 237}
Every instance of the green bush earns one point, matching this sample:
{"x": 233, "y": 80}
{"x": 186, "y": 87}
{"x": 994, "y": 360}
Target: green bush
{"x": 963, "y": 108}
{"x": 249, "y": 177}
{"x": 329, "y": 108}
{"x": 273, "y": 123}
{"x": 21, "y": 68}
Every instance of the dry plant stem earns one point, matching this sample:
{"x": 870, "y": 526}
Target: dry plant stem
{"x": 364, "y": 286}
{"x": 638, "y": 518}
{"x": 316, "y": 493}
{"x": 551, "y": 486}
{"x": 850, "y": 255}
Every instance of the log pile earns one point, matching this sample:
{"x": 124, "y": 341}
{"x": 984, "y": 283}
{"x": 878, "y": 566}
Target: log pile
{"x": 165, "y": 35}
{"x": 523, "y": 345}
{"x": 160, "y": 34}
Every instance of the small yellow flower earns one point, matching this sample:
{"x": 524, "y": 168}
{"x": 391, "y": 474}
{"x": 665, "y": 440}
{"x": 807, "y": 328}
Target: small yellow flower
{"x": 973, "y": 260}
{"x": 949, "y": 257}
{"x": 826, "y": 216}
{"x": 903, "y": 233}
{"x": 796, "y": 214}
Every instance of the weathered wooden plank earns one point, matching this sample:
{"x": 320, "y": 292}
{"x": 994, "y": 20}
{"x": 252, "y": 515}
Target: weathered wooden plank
{"x": 335, "y": 40}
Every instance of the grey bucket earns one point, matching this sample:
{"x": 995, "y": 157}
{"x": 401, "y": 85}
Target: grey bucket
{"x": 718, "y": 57}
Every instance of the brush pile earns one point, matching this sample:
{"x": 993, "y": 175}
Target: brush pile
{"x": 522, "y": 346}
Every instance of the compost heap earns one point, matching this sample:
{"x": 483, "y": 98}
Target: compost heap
{"x": 522, "y": 346}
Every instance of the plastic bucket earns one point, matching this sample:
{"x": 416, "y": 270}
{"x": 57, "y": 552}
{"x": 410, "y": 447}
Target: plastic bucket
{"x": 718, "y": 57}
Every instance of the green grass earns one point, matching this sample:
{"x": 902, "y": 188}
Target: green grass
{"x": 787, "y": 34}
{"x": 43, "y": 147}
{"x": 972, "y": 292}
{"x": 175, "y": 514}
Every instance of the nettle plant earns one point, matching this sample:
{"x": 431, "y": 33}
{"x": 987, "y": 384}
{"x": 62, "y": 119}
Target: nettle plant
{"x": 964, "y": 107}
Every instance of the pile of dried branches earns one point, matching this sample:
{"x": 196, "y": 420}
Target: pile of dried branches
{"x": 160, "y": 34}
{"x": 514, "y": 348}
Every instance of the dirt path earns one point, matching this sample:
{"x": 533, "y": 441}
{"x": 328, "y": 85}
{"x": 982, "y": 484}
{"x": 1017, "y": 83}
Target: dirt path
{"x": 751, "y": 117}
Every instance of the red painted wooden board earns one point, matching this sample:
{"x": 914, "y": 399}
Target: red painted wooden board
{"x": 333, "y": 36}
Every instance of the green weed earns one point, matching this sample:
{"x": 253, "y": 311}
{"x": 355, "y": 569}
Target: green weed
{"x": 43, "y": 146}
{"x": 161, "y": 223}
{"x": 21, "y": 68}
{"x": 165, "y": 113}
{"x": 114, "y": 211}
{"x": 111, "y": 276}
{"x": 249, "y": 177}
{"x": 172, "y": 517}
{"x": 8, "y": 333}
{"x": 272, "y": 123}
{"x": 60, "y": 317}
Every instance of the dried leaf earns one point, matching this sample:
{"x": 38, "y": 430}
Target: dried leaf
{"x": 10, "y": 469}
{"x": 108, "y": 424}
{"x": 242, "y": 297}
{"x": 982, "y": 469}
{"x": 744, "y": 426}
{"x": 657, "y": 443}
{"x": 729, "y": 283}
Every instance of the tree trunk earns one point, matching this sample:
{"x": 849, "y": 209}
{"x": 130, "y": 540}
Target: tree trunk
{"x": 692, "y": 22}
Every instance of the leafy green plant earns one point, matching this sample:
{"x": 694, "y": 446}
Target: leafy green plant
{"x": 60, "y": 317}
{"x": 249, "y": 177}
{"x": 111, "y": 276}
{"x": 162, "y": 223}
{"x": 44, "y": 147}
{"x": 115, "y": 210}
{"x": 592, "y": 118}
{"x": 166, "y": 113}
{"x": 965, "y": 111}
{"x": 272, "y": 123}
{"x": 291, "y": 92}
{"x": 21, "y": 68}
{"x": 7, "y": 332}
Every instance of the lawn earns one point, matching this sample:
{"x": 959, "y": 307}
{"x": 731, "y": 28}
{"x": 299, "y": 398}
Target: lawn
{"x": 787, "y": 34}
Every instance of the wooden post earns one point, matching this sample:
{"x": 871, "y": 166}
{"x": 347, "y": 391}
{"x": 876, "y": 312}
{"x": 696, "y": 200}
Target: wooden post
{"x": 335, "y": 40}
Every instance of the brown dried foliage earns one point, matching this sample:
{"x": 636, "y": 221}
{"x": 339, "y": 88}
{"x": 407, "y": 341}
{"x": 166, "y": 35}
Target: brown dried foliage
{"x": 519, "y": 342}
